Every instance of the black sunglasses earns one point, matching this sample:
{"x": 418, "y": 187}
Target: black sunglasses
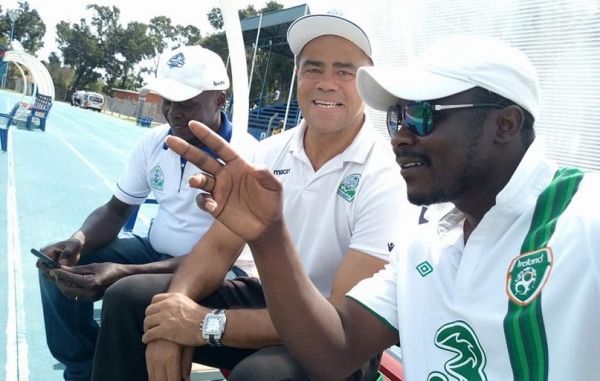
{"x": 418, "y": 116}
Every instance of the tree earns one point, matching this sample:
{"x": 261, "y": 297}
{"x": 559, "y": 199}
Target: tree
{"x": 81, "y": 51}
{"x": 62, "y": 76}
{"x": 103, "y": 45}
{"x": 160, "y": 31}
{"x": 215, "y": 18}
{"x": 279, "y": 67}
{"x": 29, "y": 28}
{"x": 187, "y": 35}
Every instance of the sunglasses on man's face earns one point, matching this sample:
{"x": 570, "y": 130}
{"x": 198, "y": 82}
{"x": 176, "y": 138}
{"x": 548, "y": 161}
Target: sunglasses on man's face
{"x": 418, "y": 116}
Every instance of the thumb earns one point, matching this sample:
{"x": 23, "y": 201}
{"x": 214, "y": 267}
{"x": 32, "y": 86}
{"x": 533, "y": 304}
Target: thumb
{"x": 266, "y": 179}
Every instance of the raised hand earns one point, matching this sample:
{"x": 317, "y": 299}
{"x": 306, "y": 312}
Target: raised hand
{"x": 244, "y": 198}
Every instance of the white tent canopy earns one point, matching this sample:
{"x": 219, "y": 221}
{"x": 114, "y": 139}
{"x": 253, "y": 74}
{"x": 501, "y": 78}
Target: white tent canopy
{"x": 39, "y": 73}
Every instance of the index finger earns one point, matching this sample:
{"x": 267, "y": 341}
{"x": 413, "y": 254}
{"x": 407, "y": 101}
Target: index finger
{"x": 213, "y": 141}
{"x": 194, "y": 155}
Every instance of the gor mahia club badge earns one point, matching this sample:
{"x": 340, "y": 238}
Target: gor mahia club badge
{"x": 527, "y": 275}
{"x": 157, "y": 181}
{"x": 347, "y": 189}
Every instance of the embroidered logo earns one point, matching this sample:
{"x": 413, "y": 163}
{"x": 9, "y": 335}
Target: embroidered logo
{"x": 391, "y": 246}
{"x": 347, "y": 189}
{"x": 470, "y": 358}
{"x": 157, "y": 179}
{"x": 424, "y": 268}
{"x": 527, "y": 275}
{"x": 178, "y": 60}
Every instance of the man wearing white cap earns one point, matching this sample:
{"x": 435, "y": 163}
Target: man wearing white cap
{"x": 503, "y": 287}
{"x": 341, "y": 200}
{"x": 191, "y": 80}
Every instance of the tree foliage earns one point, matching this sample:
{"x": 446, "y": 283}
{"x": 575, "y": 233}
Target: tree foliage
{"x": 29, "y": 29}
{"x": 272, "y": 72}
{"x": 100, "y": 52}
{"x": 103, "y": 49}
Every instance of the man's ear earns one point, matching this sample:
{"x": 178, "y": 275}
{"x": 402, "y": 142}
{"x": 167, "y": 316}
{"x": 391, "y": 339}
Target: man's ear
{"x": 509, "y": 122}
{"x": 220, "y": 99}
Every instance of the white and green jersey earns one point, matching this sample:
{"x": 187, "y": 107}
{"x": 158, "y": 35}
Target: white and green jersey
{"x": 353, "y": 202}
{"x": 519, "y": 301}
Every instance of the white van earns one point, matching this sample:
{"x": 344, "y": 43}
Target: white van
{"x": 93, "y": 101}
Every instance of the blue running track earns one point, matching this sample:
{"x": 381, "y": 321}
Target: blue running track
{"x": 49, "y": 182}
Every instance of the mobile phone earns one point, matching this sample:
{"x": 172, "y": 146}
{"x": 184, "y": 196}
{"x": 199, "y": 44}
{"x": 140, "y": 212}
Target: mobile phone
{"x": 46, "y": 259}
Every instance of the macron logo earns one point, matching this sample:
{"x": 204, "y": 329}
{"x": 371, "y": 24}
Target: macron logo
{"x": 279, "y": 172}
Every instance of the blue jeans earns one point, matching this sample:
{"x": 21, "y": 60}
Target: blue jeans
{"x": 71, "y": 330}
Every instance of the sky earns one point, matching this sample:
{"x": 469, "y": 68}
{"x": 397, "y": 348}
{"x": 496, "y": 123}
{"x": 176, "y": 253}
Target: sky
{"x": 184, "y": 12}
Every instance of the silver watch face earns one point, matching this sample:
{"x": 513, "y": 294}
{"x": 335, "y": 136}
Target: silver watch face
{"x": 213, "y": 325}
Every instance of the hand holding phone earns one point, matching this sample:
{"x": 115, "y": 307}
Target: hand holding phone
{"x": 46, "y": 259}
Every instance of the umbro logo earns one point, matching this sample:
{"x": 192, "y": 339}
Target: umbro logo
{"x": 424, "y": 268}
{"x": 391, "y": 246}
{"x": 279, "y": 172}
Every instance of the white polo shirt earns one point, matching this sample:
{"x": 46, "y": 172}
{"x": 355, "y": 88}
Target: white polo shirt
{"x": 152, "y": 166}
{"x": 449, "y": 300}
{"x": 357, "y": 200}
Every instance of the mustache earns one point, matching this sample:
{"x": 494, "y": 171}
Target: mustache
{"x": 407, "y": 153}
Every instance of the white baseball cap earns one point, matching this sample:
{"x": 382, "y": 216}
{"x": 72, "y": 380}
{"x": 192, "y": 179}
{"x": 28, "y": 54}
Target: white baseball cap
{"x": 453, "y": 65}
{"x": 309, "y": 27}
{"x": 186, "y": 72}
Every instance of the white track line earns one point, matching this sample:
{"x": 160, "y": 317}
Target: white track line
{"x": 17, "y": 367}
{"x": 109, "y": 184}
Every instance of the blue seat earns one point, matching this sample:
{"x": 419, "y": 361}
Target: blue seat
{"x": 39, "y": 111}
{"x": 5, "y": 121}
{"x": 144, "y": 121}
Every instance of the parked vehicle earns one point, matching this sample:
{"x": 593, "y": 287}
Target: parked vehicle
{"x": 77, "y": 97}
{"x": 93, "y": 101}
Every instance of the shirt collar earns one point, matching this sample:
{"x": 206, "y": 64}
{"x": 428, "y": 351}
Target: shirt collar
{"x": 225, "y": 131}
{"x": 357, "y": 151}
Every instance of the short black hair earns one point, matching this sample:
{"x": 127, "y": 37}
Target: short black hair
{"x": 485, "y": 96}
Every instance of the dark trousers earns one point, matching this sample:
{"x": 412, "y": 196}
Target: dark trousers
{"x": 120, "y": 353}
{"x": 70, "y": 326}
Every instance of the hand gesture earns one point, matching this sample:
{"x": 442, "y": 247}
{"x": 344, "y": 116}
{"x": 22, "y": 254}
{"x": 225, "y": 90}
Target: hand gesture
{"x": 87, "y": 281}
{"x": 247, "y": 200}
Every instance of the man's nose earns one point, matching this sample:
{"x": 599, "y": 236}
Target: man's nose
{"x": 328, "y": 81}
{"x": 175, "y": 110}
{"x": 403, "y": 138}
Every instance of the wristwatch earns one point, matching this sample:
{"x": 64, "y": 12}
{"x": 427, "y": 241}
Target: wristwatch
{"x": 213, "y": 327}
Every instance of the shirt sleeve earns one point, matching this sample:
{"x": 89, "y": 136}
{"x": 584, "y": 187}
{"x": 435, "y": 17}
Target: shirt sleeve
{"x": 132, "y": 186}
{"x": 378, "y": 295}
{"x": 384, "y": 216}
